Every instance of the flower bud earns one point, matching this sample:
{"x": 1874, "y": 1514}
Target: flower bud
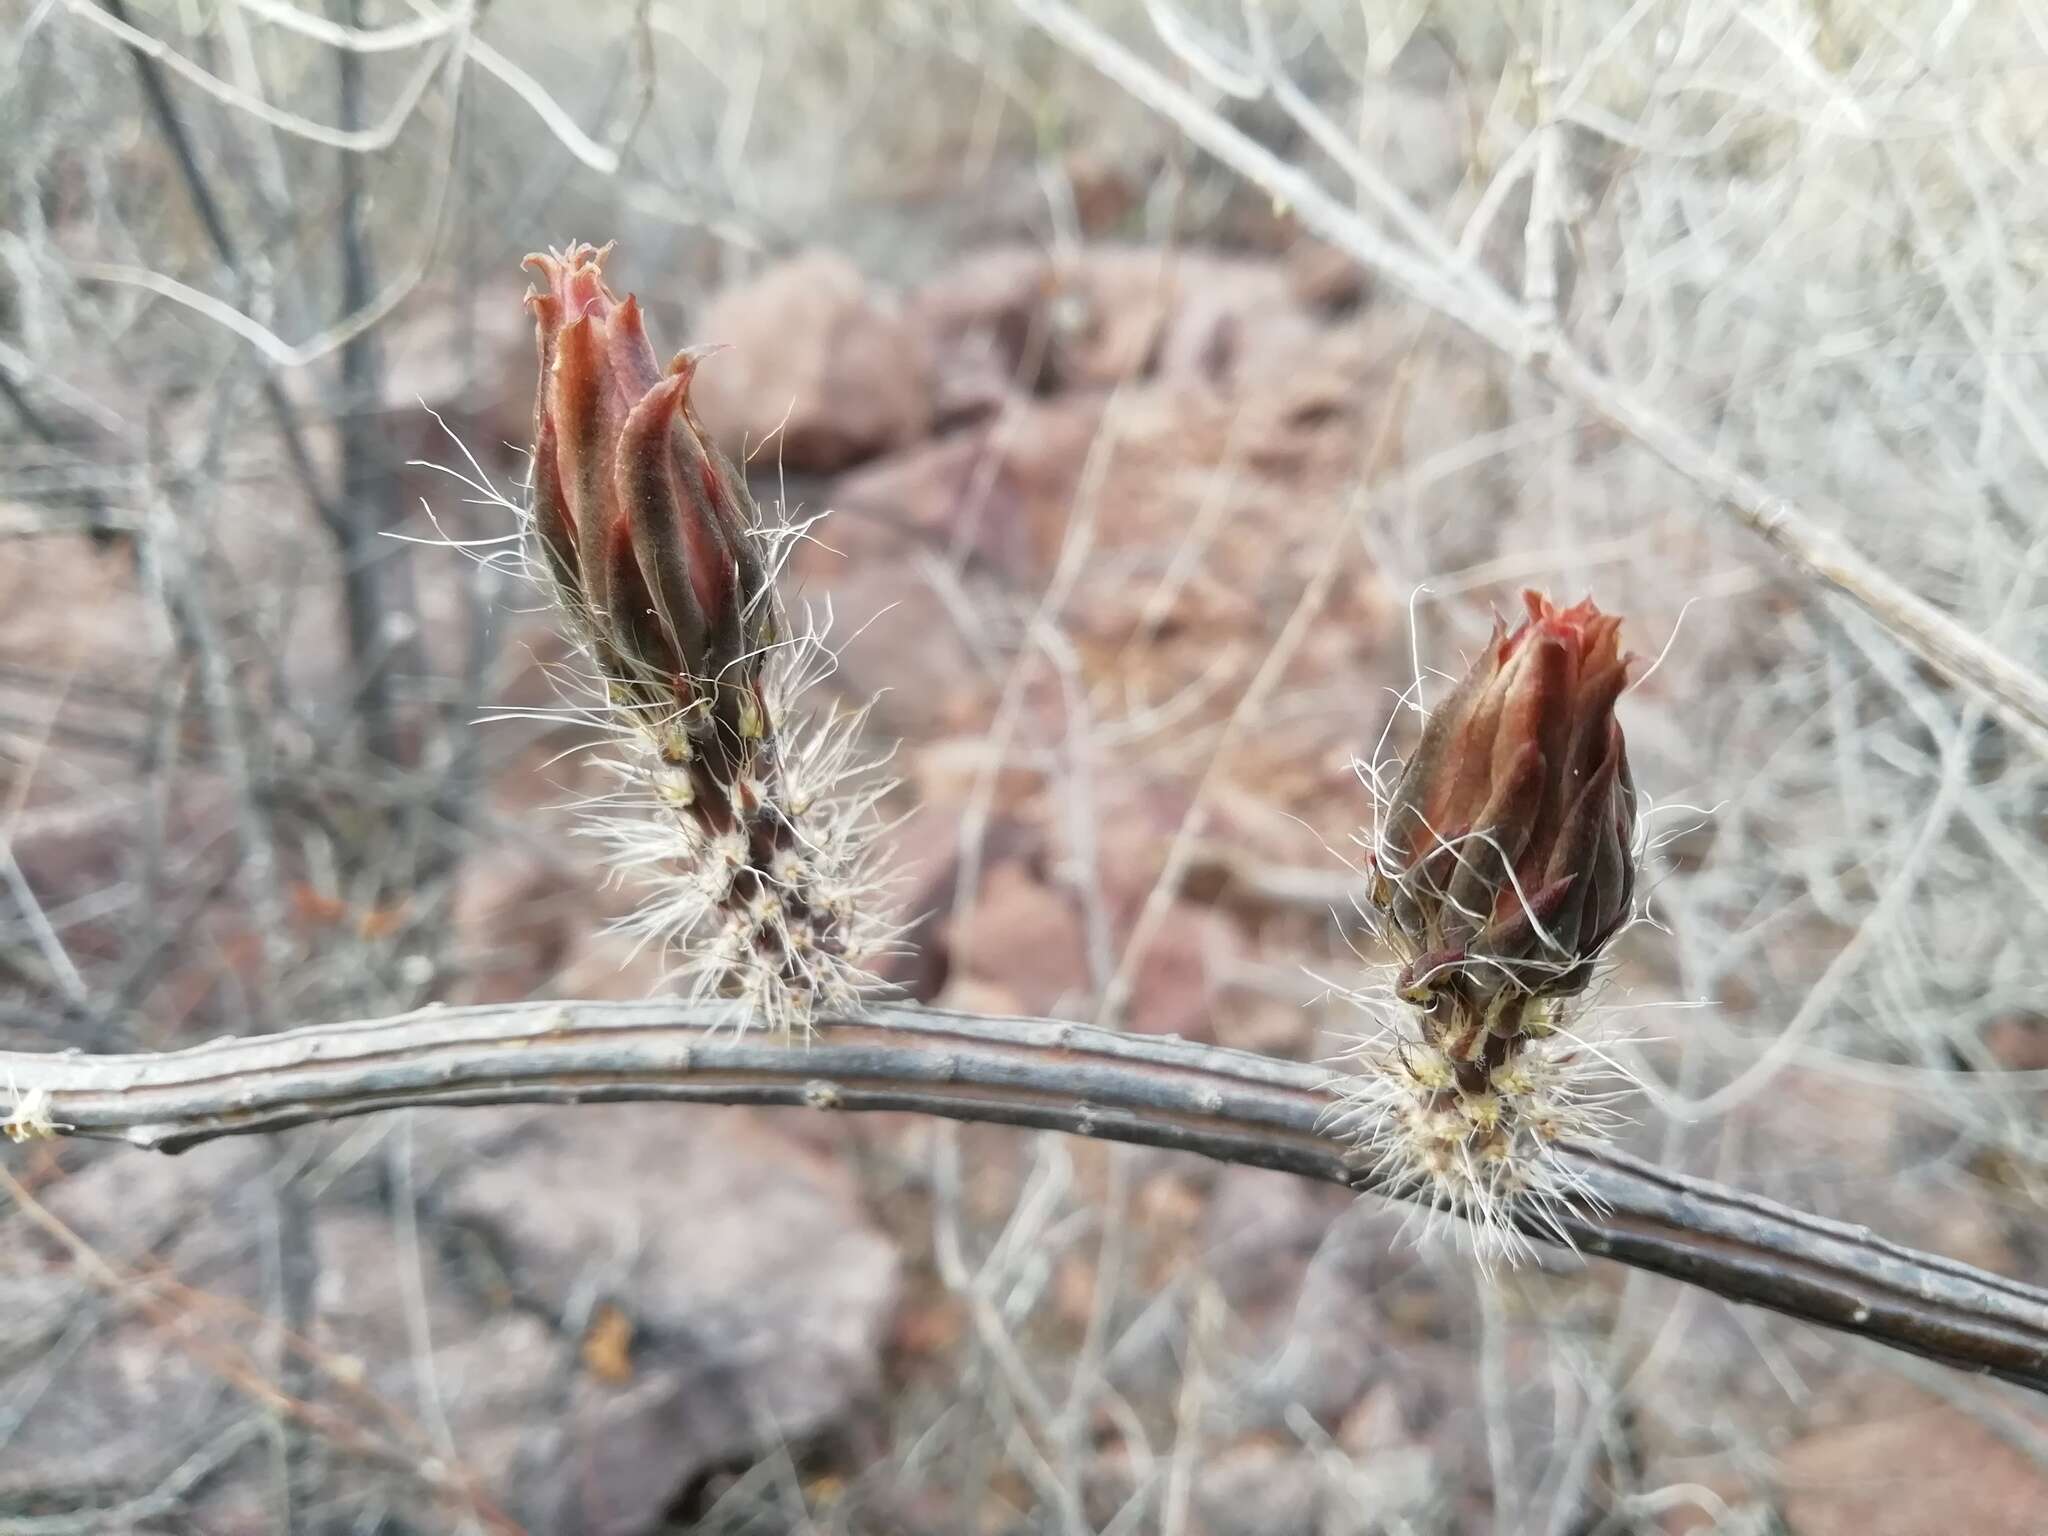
{"x": 644, "y": 525}
{"x": 1506, "y": 858}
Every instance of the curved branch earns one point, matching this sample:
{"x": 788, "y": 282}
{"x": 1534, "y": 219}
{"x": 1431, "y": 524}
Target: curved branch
{"x": 1035, "y": 1073}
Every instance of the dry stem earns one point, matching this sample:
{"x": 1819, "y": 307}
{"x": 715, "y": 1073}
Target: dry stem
{"x": 1036, "y": 1073}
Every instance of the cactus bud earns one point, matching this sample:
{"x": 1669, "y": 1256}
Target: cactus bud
{"x": 1504, "y": 862}
{"x": 757, "y": 859}
{"x": 644, "y": 525}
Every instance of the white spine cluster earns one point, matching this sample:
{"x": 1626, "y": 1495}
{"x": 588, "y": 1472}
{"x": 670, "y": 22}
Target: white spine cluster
{"x": 776, "y": 902}
{"x": 29, "y": 1118}
{"x": 1486, "y": 1151}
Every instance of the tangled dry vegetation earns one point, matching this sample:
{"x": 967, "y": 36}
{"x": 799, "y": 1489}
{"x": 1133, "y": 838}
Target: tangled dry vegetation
{"x": 1147, "y": 507}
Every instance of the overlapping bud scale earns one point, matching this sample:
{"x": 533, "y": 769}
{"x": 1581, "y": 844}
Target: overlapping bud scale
{"x": 658, "y": 556}
{"x": 646, "y": 526}
{"x": 1505, "y": 859}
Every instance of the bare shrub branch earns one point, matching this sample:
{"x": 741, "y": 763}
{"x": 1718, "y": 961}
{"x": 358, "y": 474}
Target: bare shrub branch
{"x": 1461, "y": 292}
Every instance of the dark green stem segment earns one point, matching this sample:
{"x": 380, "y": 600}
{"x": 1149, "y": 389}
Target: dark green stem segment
{"x": 1035, "y": 1073}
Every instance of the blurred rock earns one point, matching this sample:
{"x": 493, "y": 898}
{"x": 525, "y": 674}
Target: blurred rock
{"x": 969, "y": 995}
{"x": 1232, "y": 319}
{"x": 1325, "y": 279}
{"x": 473, "y": 367}
{"x": 903, "y": 648}
{"x": 494, "y": 1372}
{"x": 1108, "y": 313}
{"x": 516, "y": 924}
{"x": 1175, "y": 991}
{"x": 986, "y": 324}
{"x": 1915, "y": 1469}
{"x": 924, "y": 853}
{"x": 1120, "y": 313}
{"x": 916, "y": 541}
{"x": 999, "y": 496}
{"x": 1341, "y": 1319}
{"x": 75, "y": 606}
{"x": 98, "y": 1398}
{"x": 156, "y": 1371}
{"x": 2019, "y": 1042}
{"x": 1106, "y": 188}
{"x": 758, "y": 1296}
{"x": 821, "y": 360}
{"x": 749, "y": 1301}
{"x": 1259, "y": 1488}
{"x": 1024, "y": 938}
{"x": 1014, "y": 322}
{"x": 1260, "y": 1232}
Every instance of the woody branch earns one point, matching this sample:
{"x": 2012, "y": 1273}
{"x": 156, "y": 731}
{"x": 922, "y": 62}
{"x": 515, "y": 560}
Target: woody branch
{"x": 1035, "y": 1073}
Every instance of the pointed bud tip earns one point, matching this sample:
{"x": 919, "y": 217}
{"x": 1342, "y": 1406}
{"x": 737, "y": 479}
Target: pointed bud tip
{"x": 571, "y": 279}
{"x": 685, "y": 363}
{"x": 576, "y": 254}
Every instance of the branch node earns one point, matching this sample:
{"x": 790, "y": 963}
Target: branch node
{"x": 819, "y": 1094}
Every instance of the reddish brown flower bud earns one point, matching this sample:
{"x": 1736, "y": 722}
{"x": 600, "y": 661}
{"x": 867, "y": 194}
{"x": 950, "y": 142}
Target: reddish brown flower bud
{"x": 1506, "y": 859}
{"x": 757, "y": 857}
{"x": 645, "y": 526}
